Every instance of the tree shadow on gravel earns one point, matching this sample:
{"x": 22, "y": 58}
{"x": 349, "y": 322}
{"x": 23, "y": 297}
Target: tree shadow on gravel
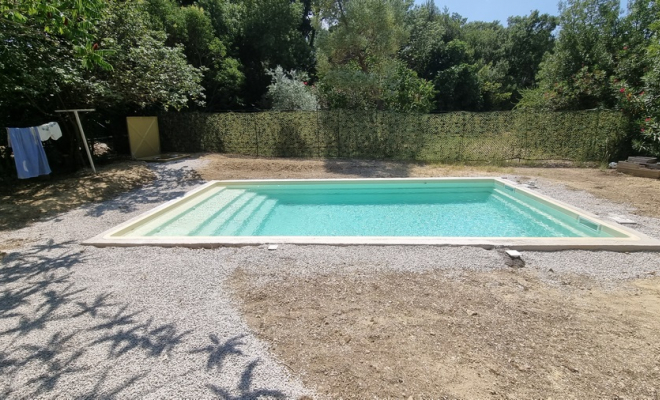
{"x": 218, "y": 351}
{"x": 153, "y": 340}
{"x": 245, "y": 387}
{"x": 54, "y": 332}
{"x": 170, "y": 183}
{"x": 38, "y": 297}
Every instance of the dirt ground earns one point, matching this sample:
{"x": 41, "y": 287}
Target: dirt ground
{"x": 26, "y": 201}
{"x": 500, "y": 335}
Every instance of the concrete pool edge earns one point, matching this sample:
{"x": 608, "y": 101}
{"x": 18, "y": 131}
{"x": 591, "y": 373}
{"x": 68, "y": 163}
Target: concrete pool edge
{"x": 631, "y": 241}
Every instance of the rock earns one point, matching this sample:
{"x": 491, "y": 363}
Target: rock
{"x": 471, "y": 313}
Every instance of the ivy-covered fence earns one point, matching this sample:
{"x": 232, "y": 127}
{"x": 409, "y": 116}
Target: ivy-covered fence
{"x": 450, "y": 137}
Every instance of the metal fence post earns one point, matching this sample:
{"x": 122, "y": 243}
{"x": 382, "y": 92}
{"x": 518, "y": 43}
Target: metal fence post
{"x": 318, "y": 135}
{"x": 460, "y": 146}
{"x": 338, "y": 136}
{"x": 594, "y": 138}
{"x": 256, "y": 134}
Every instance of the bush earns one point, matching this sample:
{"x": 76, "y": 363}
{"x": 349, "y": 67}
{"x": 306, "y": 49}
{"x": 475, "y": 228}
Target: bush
{"x": 289, "y": 91}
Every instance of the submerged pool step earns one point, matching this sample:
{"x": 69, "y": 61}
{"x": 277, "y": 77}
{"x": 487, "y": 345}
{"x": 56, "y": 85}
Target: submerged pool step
{"x": 252, "y": 224}
{"x": 233, "y": 224}
{"x": 548, "y": 222}
{"x": 172, "y": 214}
{"x": 221, "y": 217}
{"x": 193, "y": 218}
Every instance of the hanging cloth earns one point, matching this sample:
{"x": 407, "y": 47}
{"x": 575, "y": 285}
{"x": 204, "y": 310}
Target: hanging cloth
{"x": 29, "y": 154}
{"x": 50, "y": 130}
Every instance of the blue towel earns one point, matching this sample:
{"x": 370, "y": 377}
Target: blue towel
{"x": 29, "y": 154}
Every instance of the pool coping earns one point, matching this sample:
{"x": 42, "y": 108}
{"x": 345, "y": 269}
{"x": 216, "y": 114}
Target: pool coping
{"x": 633, "y": 240}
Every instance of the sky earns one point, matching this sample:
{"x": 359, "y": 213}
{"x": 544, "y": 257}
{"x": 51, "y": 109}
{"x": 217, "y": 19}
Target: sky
{"x": 491, "y": 10}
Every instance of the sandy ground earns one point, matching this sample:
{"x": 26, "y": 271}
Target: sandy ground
{"x": 353, "y": 322}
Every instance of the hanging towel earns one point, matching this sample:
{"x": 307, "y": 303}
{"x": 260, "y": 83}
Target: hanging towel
{"x": 50, "y": 130}
{"x": 29, "y": 154}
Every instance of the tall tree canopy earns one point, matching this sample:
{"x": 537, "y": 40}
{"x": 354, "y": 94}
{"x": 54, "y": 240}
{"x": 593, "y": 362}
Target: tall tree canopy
{"x": 358, "y": 62}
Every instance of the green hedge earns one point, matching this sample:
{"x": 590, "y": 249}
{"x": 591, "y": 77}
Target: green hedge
{"x": 451, "y": 137}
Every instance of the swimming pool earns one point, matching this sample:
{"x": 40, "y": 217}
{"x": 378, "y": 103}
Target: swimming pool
{"x": 486, "y": 212}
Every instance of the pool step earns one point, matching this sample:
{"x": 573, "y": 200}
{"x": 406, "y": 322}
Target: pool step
{"x": 170, "y": 216}
{"x": 252, "y": 224}
{"x": 547, "y": 221}
{"x": 194, "y": 218}
{"x": 233, "y": 224}
{"x": 222, "y": 216}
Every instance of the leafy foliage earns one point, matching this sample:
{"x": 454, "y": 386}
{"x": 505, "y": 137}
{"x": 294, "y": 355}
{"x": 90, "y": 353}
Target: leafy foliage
{"x": 72, "y": 20}
{"x": 603, "y": 59}
{"x": 358, "y": 64}
{"x": 290, "y": 91}
{"x": 271, "y": 35}
{"x": 529, "y": 39}
{"x": 197, "y": 33}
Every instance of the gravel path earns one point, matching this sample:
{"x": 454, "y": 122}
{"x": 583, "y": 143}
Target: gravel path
{"x": 147, "y": 322}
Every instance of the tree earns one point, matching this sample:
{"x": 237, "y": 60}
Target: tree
{"x": 528, "y": 40}
{"x": 270, "y": 36}
{"x": 358, "y": 57}
{"x": 132, "y": 66}
{"x": 147, "y": 72}
{"x": 485, "y": 40}
{"x": 367, "y": 33}
{"x": 206, "y": 39}
{"x": 437, "y": 52}
{"x": 639, "y": 68}
{"x": 71, "y": 20}
{"x": 577, "y": 74}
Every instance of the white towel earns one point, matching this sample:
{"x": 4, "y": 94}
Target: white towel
{"x": 50, "y": 130}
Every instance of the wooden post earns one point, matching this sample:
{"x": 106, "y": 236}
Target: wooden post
{"x": 82, "y": 133}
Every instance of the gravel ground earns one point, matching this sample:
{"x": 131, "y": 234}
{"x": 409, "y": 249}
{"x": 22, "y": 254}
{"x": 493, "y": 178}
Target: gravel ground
{"x": 147, "y": 322}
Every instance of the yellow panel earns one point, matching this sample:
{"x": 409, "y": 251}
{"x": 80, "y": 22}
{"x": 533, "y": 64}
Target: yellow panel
{"x": 143, "y": 136}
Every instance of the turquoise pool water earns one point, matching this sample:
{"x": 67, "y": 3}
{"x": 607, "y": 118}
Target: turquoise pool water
{"x": 480, "y": 208}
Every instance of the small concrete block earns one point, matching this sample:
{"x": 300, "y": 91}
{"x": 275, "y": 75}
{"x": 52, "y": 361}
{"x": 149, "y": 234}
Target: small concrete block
{"x": 272, "y": 247}
{"x": 513, "y": 253}
{"x": 622, "y": 220}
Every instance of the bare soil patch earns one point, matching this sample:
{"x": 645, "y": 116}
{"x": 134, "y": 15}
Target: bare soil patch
{"x": 34, "y": 199}
{"x": 642, "y": 193}
{"x": 498, "y": 334}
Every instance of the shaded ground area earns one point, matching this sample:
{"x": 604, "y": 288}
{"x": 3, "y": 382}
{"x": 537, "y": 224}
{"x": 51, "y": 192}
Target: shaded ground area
{"x": 39, "y": 198}
{"x": 642, "y": 193}
{"x": 497, "y": 334}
